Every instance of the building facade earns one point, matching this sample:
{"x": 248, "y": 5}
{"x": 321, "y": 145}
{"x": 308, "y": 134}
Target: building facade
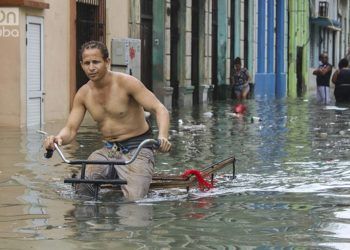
{"x": 329, "y": 32}
{"x": 185, "y": 48}
{"x": 271, "y": 47}
{"x": 298, "y": 47}
{"x": 41, "y": 74}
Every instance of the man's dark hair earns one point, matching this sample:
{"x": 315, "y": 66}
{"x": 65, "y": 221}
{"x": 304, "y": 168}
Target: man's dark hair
{"x": 94, "y": 45}
{"x": 343, "y": 63}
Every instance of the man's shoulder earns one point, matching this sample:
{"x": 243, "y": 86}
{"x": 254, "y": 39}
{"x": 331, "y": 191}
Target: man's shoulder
{"x": 120, "y": 76}
{"x": 83, "y": 90}
{"x": 123, "y": 80}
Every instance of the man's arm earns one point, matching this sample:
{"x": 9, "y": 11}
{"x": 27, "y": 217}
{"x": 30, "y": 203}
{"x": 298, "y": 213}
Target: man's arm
{"x": 324, "y": 70}
{"x": 68, "y": 133}
{"x": 150, "y": 102}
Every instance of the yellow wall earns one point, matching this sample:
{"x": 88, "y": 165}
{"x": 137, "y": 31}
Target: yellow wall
{"x": 56, "y": 67}
{"x": 10, "y": 78}
{"x": 117, "y": 18}
{"x": 56, "y": 60}
{"x": 56, "y": 78}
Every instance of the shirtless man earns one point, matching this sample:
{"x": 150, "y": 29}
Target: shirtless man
{"x": 116, "y": 101}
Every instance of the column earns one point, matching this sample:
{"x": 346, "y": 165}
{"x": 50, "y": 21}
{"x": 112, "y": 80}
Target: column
{"x": 260, "y": 75}
{"x": 185, "y": 21}
{"x": 203, "y": 84}
{"x": 167, "y": 42}
{"x": 270, "y": 76}
{"x": 237, "y": 28}
{"x": 207, "y": 51}
{"x": 134, "y": 18}
{"x": 222, "y": 43}
{"x": 281, "y": 85}
{"x": 250, "y": 36}
{"x": 305, "y": 42}
{"x": 292, "y": 50}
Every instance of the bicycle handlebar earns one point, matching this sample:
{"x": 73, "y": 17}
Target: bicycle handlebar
{"x": 156, "y": 145}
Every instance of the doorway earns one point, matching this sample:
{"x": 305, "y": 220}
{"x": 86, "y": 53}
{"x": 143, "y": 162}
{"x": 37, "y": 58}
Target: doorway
{"x": 174, "y": 41}
{"x": 146, "y": 42}
{"x": 35, "y": 71}
{"x": 90, "y": 25}
{"x": 195, "y": 50}
{"x": 299, "y": 71}
{"x": 214, "y": 48}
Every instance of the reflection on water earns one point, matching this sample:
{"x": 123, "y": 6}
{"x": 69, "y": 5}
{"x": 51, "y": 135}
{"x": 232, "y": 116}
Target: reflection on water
{"x": 292, "y": 185}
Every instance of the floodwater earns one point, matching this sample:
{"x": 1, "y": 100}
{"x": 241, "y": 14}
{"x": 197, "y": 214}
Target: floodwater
{"x": 292, "y": 185}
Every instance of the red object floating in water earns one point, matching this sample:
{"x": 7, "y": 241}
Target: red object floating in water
{"x": 202, "y": 183}
{"x": 240, "y": 108}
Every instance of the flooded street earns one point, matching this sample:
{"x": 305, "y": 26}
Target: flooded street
{"x": 292, "y": 186}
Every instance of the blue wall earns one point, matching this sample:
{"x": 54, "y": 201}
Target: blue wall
{"x": 270, "y": 79}
{"x": 281, "y": 81}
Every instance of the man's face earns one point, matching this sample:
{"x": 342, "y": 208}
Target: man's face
{"x": 324, "y": 58}
{"x": 93, "y": 64}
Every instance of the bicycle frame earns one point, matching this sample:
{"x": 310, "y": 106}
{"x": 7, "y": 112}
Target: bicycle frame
{"x": 110, "y": 164}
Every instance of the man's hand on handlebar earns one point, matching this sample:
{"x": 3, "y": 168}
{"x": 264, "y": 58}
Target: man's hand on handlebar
{"x": 50, "y": 141}
{"x": 165, "y": 145}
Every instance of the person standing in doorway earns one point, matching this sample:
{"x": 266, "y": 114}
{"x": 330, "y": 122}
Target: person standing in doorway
{"x": 240, "y": 79}
{"x": 323, "y": 75}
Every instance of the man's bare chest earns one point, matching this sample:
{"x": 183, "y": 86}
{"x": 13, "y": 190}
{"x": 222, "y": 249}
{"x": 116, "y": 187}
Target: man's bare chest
{"x": 107, "y": 106}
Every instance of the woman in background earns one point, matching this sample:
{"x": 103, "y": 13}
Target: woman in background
{"x": 341, "y": 79}
{"x": 240, "y": 79}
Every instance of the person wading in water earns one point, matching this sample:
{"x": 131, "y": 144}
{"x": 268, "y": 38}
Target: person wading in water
{"x": 116, "y": 101}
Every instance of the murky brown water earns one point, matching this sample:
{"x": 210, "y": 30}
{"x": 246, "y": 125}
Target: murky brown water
{"x": 292, "y": 186}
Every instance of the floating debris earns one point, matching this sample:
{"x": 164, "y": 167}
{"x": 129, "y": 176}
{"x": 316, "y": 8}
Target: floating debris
{"x": 194, "y": 127}
{"x": 240, "y": 108}
{"x": 334, "y": 108}
{"x": 208, "y": 114}
{"x": 233, "y": 114}
{"x": 323, "y": 134}
{"x": 255, "y": 119}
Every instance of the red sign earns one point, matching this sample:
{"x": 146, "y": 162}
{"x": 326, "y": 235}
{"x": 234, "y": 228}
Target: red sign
{"x": 132, "y": 53}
